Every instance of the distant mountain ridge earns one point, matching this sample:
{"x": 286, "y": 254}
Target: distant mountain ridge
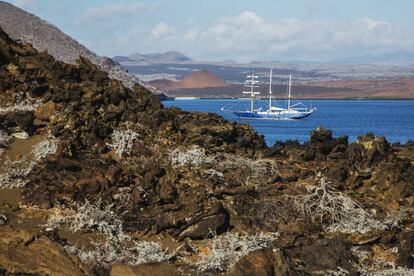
{"x": 167, "y": 57}
{"x": 396, "y": 57}
{"x": 29, "y": 28}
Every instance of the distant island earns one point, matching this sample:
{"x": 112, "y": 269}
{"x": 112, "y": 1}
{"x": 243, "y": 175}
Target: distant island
{"x": 203, "y": 84}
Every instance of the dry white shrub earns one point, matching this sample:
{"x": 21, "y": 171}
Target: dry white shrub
{"x": 16, "y": 171}
{"x": 337, "y": 211}
{"x": 367, "y": 265}
{"x": 45, "y": 148}
{"x": 123, "y": 140}
{"x": 21, "y": 103}
{"x": 118, "y": 246}
{"x": 338, "y": 272}
{"x": 213, "y": 172}
{"x": 398, "y": 271}
{"x": 115, "y": 252}
{"x": 226, "y": 250}
{"x": 194, "y": 156}
{"x": 147, "y": 252}
{"x": 98, "y": 254}
{"x": 89, "y": 217}
{"x": 259, "y": 169}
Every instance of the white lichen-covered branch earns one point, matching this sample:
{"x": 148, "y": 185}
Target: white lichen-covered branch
{"x": 118, "y": 246}
{"x": 16, "y": 172}
{"x": 21, "y": 103}
{"x": 194, "y": 156}
{"x": 45, "y": 148}
{"x": 337, "y": 211}
{"x": 226, "y": 250}
{"x": 89, "y": 216}
{"x": 123, "y": 140}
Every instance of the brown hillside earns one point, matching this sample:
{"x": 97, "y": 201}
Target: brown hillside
{"x": 200, "y": 79}
{"x": 399, "y": 88}
{"x": 29, "y": 28}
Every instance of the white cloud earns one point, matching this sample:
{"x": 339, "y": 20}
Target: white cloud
{"x": 247, "y": 37}
{"x": 111, "y": 12}
{"x": 161, "y": 30}
{"x": 25, "y": 3}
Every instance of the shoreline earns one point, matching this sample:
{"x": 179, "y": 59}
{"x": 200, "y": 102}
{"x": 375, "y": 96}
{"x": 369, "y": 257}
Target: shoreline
{"x": 300, "y": 99}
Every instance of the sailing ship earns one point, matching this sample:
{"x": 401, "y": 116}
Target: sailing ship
{"x": 293, "y": 111}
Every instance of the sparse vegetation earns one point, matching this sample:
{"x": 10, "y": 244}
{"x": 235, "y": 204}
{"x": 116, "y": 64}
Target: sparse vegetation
{"x": 226, "y": 250}
{"x": 21, "y": 103}
{"x": 148, "y": 252}
{"x": 194, "y": 156}
{"x": 87, "y": 217}
{"x": 368, "y": 265}
{"x": 110, "y": 252}
{"x": 123, "y": 140}
{"x": 15, "y": 172}
{"x": 117, "y": 246}
{"x": 336, "y": 211}
{"x": 45, "y": 148}
{"x": 338, "y": 272}
{"x": 256, "y": 169}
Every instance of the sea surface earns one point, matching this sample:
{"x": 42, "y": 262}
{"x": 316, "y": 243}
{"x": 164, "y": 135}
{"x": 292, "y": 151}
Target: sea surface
{"x": 392, "y": 119}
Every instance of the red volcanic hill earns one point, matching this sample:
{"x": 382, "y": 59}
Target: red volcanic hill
{"x": 200, "y": 79}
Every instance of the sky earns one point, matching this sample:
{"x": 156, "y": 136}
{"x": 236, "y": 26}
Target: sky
{"x": 240, "y": 30}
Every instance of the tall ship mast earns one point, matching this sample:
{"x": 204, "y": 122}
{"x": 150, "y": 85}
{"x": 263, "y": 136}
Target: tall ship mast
{"x": 270, "y": 89}
{"x": 294, "y": 111}
{"x": 251, "y": 83}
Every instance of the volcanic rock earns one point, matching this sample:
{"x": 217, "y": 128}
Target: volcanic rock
{"x": 185, "y": 177}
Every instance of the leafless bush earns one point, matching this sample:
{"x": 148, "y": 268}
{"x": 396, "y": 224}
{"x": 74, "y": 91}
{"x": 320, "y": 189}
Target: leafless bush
{"x": 123, "y": 140}
{"x": 21, "y": 103}
{"x": 213, "y": 172}
{"x": 195, "y": 156}
{"x": 368, "y": 265}
{"x": 89, "y": 217}
{"x": 337, "y": 211}
{"x": 124, "y": 194}
{"x": 147, "y": 252}
{"x": 98, "y": 254}
{"x": 45, "y": 148}
{"x": 115, "y": 252}
{"x": 338, "y": 272}
{"x": 258, "y": 169}
{"x": 16, "y": 172}
{"x": 224, "y": 251}
{"x": 118, "y": 246}
{"x": 398, "y": 271}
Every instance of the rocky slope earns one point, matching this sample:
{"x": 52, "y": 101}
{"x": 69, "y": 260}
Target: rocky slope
{"x": 29, "y": 28}
{"x": 107, "y": 181}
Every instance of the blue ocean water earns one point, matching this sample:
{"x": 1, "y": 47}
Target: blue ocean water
{"x": 392, "y": 119}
